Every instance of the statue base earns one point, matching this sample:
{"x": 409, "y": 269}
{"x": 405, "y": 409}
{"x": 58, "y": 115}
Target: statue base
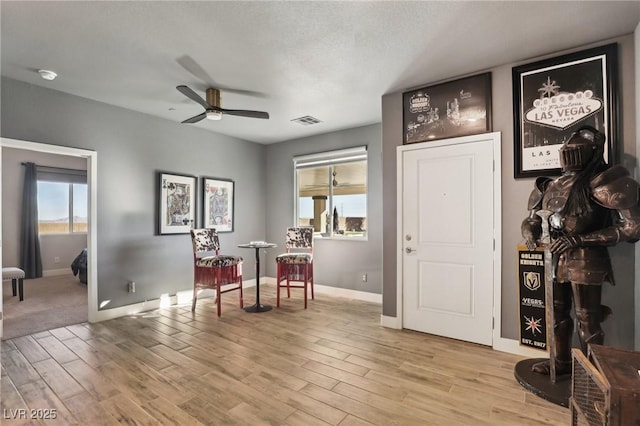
{"x": 540, "y": 385}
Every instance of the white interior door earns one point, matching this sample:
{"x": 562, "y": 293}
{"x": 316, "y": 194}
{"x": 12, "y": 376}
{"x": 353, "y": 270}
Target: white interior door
{"x": 448, "y": 239}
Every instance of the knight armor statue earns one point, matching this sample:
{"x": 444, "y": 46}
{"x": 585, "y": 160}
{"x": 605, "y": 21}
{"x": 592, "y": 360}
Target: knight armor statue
{"x": 592, "y": 206}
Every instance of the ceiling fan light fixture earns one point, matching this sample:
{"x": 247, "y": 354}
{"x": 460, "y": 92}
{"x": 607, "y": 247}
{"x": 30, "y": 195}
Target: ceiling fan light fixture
{"x": 214, "y": 115}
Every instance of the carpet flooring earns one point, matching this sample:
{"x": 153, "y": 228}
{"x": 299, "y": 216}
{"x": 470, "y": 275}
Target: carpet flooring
{"x": 49, "y": 302}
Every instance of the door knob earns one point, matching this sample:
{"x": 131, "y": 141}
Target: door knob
{"x": 409, "y": 250}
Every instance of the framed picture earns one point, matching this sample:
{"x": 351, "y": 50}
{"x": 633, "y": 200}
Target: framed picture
{"x": 456, "y": 108}
{"x": 177, "y": 210}
{"x": 555, "y": 97}
{"x": 217, "y": 204}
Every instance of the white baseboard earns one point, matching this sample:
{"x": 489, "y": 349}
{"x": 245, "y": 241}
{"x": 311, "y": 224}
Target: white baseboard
{"x": 336, "y": 291}
{"x": 185, "y": 297}
{"x": 56, "y": 272}
{"x": 513, "y": 346}
{"x": 181, "y": 298}
{"x": 348, "y": 293}
{"x": 501, "y": 344}
{"x": 390, "y": 322}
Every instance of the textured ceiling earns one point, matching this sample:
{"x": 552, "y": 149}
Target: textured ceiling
{"x": 330, "y": 60}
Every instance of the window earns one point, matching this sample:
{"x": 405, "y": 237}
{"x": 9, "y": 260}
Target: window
{"x": 62, "y": 201}
{"x": 331, "y": 192}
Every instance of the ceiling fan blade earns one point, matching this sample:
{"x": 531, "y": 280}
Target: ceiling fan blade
{"x": 205, "y": 80}
{"x": 196, "y": 118}
{"x": 189, "y": 64}
{"x": 245, "y": 113}
{"x": 193, "y": 96}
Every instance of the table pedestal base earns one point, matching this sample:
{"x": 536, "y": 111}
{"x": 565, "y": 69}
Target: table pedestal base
{"x": 258, "y": 308}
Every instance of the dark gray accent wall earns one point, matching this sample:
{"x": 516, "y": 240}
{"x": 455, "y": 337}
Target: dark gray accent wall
{"x": 620, "y": 328}
{"x": 337, "y": 263}
{"x": 132, "y": 147}
{"x": 391, "y": 139}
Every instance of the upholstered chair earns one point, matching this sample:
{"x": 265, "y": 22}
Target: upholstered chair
{"x": 212, "y": 270}
{"x": 296, "y": 265}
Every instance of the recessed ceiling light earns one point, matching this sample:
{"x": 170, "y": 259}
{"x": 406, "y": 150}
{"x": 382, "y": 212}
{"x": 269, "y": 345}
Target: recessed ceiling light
{"x": 47, "y": 75}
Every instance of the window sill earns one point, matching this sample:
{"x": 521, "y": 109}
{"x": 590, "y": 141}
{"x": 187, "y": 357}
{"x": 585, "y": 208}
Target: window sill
{"x": 62, "y": 233}
{"x": 340, "y": 238}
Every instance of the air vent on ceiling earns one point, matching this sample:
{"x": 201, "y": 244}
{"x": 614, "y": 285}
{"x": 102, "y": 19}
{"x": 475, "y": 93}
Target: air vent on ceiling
{"x": 307, "y": 120}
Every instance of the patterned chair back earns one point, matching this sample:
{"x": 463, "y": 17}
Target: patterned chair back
{"x": 205, "y": 239}
{"x": 300, "y": 238}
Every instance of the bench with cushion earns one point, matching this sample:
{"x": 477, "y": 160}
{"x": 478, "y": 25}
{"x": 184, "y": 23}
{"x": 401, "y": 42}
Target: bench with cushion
{"x": 16, "y": 275}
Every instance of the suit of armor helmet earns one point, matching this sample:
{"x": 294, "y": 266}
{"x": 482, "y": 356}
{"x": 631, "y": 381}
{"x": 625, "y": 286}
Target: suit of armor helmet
{"x": 592, "y": 206}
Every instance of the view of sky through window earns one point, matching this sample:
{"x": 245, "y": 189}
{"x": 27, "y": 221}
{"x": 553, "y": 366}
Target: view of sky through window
{"x": 55, "y": 213}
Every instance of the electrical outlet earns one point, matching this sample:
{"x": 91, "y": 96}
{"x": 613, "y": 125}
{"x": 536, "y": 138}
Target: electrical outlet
{"x": 364, "y": 278}
{"x": 132, "y": 287}
{"x": 56, "y": 259}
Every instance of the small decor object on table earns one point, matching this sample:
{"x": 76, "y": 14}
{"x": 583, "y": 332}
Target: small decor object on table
{"x": 217, "y": 204}
{"x": 177, "y": 208}
{"x": 555, "y": 97}
{"x": 456, "y": 108}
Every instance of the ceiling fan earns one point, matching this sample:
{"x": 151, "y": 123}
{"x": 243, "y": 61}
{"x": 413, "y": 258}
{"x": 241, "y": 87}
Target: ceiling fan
{"x": 212, "y": 108}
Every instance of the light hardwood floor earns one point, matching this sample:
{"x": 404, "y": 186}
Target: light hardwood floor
{"x": 329, "y": 365}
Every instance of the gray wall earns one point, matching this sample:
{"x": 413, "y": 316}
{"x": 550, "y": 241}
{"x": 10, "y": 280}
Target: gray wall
{"x": 132, "y": 148}
{"x": 619, "y": 329}
{"x": 637, "y": 257}
{"x": 337, "y": 263}
{"x": 65, "y": 247}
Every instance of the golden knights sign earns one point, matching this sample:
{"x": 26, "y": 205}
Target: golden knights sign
{"x": 533, "y": 327}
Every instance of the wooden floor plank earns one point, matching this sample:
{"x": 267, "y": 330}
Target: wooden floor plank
{"x": 31, "y": 350}
{"x": 294, "y": 398}
{"x": 62, "y": 333}
{"x": 126, "y": 411}
{"x": 56, "y": 349}
{"x": 86, "y": 352}
{"x": 58, "y": 379}
{"x": 92, "y": 380}
{"x": 87, "y": 411}
{"x": 18, "y": 368}
{"x": 44, "y": 405}
{"x": 166, "y": 413}
{"x": 331, "y": 364}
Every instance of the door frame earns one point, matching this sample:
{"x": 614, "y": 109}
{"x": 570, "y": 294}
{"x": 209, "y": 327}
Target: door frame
{"x": 495, "y": 139}
{"x": 92, "y": 233}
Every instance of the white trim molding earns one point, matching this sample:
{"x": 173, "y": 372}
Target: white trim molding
{"x": 391, "y": 322}
{"x": 92, "y": 233}
{"x": 181, "y": 298}
{"x": 186, "y": 296}
{"x": 56, "y": 272}
{"x": 336, "y": 291}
